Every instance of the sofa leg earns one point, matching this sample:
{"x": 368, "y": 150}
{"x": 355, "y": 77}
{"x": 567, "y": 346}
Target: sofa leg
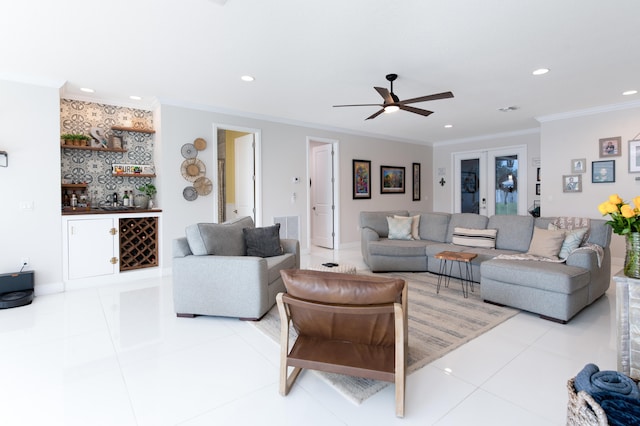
{"x": 186, "y": 315}
{"x": 559, "y": 321}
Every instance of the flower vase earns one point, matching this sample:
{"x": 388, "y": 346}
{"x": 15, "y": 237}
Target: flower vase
{"x": 632, "y": 258}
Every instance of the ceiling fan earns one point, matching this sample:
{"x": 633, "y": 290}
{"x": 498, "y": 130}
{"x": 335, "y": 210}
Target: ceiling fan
{"x": 392, "y": 103}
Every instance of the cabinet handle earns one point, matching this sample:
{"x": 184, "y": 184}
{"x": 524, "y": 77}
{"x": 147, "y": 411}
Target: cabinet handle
{"x": 113, "y": 231}
{"x": 114, "y": 260}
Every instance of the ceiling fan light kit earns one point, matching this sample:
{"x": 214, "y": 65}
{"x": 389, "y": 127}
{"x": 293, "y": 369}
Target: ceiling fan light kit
{"x": 392, "y": 103}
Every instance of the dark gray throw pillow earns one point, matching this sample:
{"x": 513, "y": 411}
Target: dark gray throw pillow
{"x": 263, "y": 242}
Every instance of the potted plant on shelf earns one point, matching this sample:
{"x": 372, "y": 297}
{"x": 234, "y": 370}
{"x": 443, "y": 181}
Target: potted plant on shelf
{"x": 75, "y": 139}
{"x": 146, "y": 198}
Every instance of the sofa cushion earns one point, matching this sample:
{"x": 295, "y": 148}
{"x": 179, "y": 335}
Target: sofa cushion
{"x": 399, "y": 228}
{"x": 514, "y": 232}
{"x": 398, "y": 248}
{"x": 546, "y": 243}
{"x": 433, "y": 226}
{"x": 485, "y": 238}
{"x": 465, "y": 220}
{"x": 415, "y": 226}
{"x": 222, "y": 239}
{"x": 263, "y": 242}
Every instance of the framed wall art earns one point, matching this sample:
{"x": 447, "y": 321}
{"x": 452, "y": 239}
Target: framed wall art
{"x": 578, "y": 165}
{"x": 634, "y": 156}
{"x": 610, "y": 147}
{"x": 603, "y": 171}
{"x": 361, "y": 179}
{"x": 537, "y": 189}
{"x": 572, "y": 183}
{"x": 391, "y": 180}
{"x": 416, "y": 181}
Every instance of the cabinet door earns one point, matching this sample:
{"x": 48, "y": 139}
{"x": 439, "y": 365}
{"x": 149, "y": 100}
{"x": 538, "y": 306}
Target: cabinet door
{"x": 90, "y": 248}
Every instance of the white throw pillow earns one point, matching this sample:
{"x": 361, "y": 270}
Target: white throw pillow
{"x": 399, "y": 228}
{"x": 415, "y": 226}
{"x": 485, "y": 238}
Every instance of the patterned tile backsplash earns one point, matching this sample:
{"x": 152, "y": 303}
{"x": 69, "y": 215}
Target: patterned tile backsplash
{"x": 94, "y": 167}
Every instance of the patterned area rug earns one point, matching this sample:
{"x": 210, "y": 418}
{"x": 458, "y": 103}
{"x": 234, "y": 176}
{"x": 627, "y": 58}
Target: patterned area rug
{"x": 438, "y": 324}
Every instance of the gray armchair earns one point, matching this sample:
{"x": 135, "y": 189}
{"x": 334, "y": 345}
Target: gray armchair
{"x": 212, "y": 275}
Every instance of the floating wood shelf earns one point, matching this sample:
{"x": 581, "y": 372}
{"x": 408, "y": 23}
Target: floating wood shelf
{"x": 132, "y": 129}
{"x": 93, "y": 148}
{"x": 138, "y": 243}
{"x": 134, "y": 175}
{"x": 74, "y": 185}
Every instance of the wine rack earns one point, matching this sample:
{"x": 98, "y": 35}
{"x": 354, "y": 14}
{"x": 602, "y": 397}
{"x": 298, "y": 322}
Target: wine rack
{"x": 138, "y": 243}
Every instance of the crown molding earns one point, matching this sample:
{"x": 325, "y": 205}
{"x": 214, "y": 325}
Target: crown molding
{"x": 488, "y": 137}
{"x": 588, "y": 111}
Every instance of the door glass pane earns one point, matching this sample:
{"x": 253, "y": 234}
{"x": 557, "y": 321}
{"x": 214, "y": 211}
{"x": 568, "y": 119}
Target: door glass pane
{"x": 506, "y": 185}
{"x": 469, "y": 194}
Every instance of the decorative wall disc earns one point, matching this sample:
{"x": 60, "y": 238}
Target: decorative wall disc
{"x": 200, "y": 144}
{"x": 203, "y": 186}
{"x": 192, "y": 169}
{"x": 189, "y": 193}
{"x": 189, "y": 151}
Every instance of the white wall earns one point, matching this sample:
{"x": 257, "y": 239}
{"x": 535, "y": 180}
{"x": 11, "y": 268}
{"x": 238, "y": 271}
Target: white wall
{"x": 284, "y": 155}
{"x": 566, "y": 138}
{"x": 443, "y": 158}
{"x": 30, "y": 224}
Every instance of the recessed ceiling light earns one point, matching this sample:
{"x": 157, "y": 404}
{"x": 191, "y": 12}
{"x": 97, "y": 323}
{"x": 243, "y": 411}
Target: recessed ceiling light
{"x": 448, "y": 126}
{"x": 629, "y": 92}
{"x": 135, "y": 98}
{"x": 540, "y": 71}
{"x": 247, "y": 78}
{"x": 86, "y": 89}
{"x": 509, "y": 108}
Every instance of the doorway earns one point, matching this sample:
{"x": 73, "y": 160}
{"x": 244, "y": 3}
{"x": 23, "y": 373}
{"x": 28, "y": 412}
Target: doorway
{"x": 239, "y": 183}
{"x": 491, "y": 182}
{"x": 323, "y": 194}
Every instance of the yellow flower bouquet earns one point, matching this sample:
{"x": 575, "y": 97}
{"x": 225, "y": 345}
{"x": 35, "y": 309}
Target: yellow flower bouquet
{"x": 625, "y": 219}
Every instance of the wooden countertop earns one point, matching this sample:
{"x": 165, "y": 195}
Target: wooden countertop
{"x": 68, "y": 211}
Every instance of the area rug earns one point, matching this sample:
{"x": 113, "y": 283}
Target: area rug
{"x": 438, "y": 324}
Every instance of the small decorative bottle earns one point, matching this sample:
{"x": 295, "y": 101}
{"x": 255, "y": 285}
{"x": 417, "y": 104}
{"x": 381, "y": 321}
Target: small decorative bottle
{"x": 74, "y": 201}
{"x": 125, "y": 199}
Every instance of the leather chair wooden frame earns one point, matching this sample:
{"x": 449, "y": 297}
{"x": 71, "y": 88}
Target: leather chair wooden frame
{"x": 346, "y": 324}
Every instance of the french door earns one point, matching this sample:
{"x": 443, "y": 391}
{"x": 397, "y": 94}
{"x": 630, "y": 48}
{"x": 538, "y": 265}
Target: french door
{"x": 491, "y": 182}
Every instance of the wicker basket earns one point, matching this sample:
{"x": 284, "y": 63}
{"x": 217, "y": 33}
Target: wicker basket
{"x": 582, "y": 410}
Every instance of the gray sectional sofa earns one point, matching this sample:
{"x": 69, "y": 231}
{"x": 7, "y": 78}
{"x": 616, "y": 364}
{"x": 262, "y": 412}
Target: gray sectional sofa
{"x": 554, "y": 290}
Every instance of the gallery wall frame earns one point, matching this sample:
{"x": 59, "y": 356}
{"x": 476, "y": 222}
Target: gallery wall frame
{"x": 610, "y": 147}
{"x": 634, "y": 156}
{"x": 578, "y": 165}
{"x": 392, "y": 179}
{"x": 572, "y": 183}
{"x": 603, "y": 171}
{"x": 361, "y": 179}
{"x": 416, "y": 181}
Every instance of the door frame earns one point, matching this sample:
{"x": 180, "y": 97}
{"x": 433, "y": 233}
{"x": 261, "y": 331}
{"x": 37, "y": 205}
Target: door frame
{"x": 486, "y": 190}
{"x": 257, "y": 138}
{"x": 336, "y": 188}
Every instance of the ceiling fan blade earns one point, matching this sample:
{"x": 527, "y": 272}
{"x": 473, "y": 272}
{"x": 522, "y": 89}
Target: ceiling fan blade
{"x": 385, "y": 95}
{"x": 443, "y": 95}
{"x": 415, "y": 110}
{"x": 337, "y": 106}
{"x": 375, "y": 115}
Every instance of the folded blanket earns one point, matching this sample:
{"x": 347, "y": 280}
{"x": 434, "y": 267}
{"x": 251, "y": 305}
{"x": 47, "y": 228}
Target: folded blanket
{"x": 620, "y": 410}
{"x": 592, "y": 380}
{"x": 599, "y": 251}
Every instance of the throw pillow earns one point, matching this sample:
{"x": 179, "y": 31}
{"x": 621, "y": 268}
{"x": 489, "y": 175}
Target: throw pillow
{"x": 399, "y": 228}
{"x": 415, "y": 226}
{"x": 572, "y": 240}
{"x": 222, "y": 239}
{"x": 263, "y": 242}
{"x": 546, "y": 243}
{"x": 485, "y": 238}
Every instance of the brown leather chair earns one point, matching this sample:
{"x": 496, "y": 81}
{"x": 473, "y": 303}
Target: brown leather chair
{"x": 346, "y": 324}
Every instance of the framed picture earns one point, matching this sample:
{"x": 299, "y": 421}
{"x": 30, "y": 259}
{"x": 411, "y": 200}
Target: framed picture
{"x": 537, "y": 189}
{"x": 416, "y": 181}
{"x": 634, "y": 156}
{"x": 469, "y": 182}
{"x": 391, "y": 180}
{"x": 361, "y": 179}
{"x": 538, "y": 175}
{"x": 572, "y": 183}
{"x": 611, "y": 147}
{"x": 578, "y": 165}
{"x": 603, "y": 171}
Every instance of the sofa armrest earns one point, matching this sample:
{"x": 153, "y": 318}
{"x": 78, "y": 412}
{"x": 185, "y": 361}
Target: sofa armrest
{"x": 291, "y": 246}
{"x": 586, "y": 259}
{"x": 180, "y": 247}
{"x": 367, "y": 235}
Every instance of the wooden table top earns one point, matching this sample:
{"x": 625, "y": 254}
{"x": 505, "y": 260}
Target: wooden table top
{"x": 455, "y": 255}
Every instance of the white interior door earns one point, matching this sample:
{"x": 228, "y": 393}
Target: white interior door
{"x": 244, "y": 176}
{"x": 322, "y": 205}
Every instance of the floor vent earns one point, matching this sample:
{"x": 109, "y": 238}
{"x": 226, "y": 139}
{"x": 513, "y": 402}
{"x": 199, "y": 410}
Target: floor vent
{"x": 289, "y": 226}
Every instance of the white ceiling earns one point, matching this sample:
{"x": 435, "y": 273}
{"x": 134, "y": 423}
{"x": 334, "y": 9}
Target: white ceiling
{"x": 309, "y": 55}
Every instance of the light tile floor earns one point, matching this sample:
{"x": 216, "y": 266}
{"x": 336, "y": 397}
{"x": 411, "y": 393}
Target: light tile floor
{"x": 118, "y": 355}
